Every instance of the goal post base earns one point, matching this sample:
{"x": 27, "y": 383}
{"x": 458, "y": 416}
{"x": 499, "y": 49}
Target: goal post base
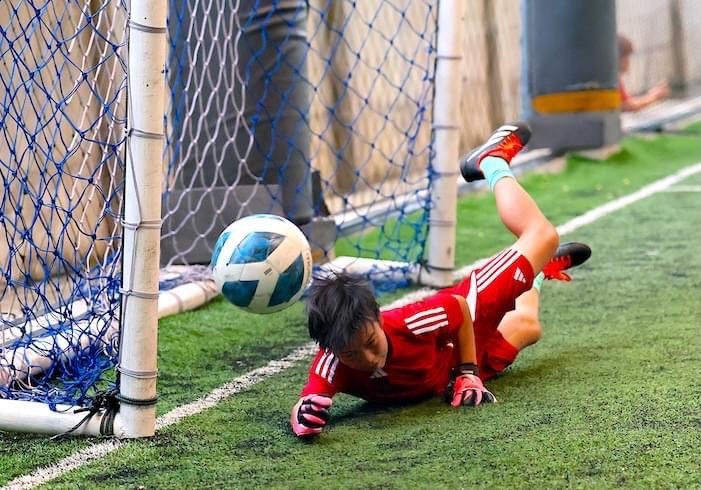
{"x": 38, "y": 418}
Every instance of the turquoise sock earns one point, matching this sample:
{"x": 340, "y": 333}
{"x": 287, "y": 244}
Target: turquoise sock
{"x": 495, "y": 169}
{"x": 538, "y": 281}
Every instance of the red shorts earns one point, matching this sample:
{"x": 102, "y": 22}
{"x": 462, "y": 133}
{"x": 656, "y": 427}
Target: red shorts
{"x": 491, "y": 291}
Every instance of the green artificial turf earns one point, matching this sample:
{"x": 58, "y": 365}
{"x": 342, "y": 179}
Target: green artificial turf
{"x": 608, "y": 397}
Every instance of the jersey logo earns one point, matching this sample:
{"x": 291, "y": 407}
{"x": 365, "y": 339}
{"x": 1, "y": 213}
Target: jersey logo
{"x": 427, "y": 321}
{"x": 326, "y": 366}
{"x": 518, "y": 275}
{"x": 378, "y": 373}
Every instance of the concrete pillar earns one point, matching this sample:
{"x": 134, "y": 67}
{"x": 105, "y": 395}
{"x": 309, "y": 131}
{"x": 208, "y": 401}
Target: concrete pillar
{"x": 570, "y": 74}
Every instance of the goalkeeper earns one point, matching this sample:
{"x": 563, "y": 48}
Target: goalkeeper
{"x": 451, "y": 342}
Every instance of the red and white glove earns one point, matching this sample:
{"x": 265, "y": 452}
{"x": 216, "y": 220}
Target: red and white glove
{"x": 310, "y": 414}
{"x": 467, "y": 388}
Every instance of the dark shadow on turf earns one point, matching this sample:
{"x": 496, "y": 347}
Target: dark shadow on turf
{"x": 364, "y": 408}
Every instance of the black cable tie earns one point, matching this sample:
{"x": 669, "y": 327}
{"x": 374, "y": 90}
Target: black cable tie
{"x": 137, "y": 403}
{"x": 105, "y": 400}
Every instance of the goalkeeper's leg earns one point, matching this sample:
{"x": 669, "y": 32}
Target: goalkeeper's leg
{"x": 518, "y": 329}
{"x": 537, "y": 238}
{"x": 521, "y": 326}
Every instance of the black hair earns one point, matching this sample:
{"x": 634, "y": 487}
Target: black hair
{"x": 625, "y": 46}
{"x": 338, "y": 306}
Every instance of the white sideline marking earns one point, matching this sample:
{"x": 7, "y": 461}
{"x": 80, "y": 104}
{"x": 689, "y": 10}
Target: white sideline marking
{"x": 235, "y": 386}
{"x": 621, "y": 202}
{"x": 96, "y": 451}
{"x": 684, "y": 188}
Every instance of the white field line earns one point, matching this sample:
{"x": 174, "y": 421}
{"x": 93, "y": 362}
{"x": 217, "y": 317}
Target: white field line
{"x": 621, "y": 202}
{"x": 97, "y": 451}
{"x": 684, "y": 188}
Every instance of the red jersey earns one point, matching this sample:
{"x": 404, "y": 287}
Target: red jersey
{"x": 421, "y": 337}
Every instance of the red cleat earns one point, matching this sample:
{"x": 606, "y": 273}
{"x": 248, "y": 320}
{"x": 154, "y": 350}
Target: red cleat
{"x": 568, "y": 255}
{"x": 504, "y": 143}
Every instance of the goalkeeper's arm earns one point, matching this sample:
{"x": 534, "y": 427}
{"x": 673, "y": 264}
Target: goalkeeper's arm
{"x": 466, "y": 387}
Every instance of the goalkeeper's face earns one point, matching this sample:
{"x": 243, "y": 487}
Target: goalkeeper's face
{"x": 368, "y": 349}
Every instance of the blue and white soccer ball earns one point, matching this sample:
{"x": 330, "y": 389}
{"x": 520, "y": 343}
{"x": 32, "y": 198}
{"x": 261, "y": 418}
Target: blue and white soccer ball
{"x": 262, "y": 263}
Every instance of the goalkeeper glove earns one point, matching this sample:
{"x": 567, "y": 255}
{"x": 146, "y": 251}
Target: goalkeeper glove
{"x": 310, "y": 414}
{"x": 466, "y": 388}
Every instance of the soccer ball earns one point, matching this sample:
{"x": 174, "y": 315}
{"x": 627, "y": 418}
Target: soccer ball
{"x": 262, "y": 263}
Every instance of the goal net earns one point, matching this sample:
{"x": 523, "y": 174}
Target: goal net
{"x": 327, "y": 121}
{"x": 339, "y": 115}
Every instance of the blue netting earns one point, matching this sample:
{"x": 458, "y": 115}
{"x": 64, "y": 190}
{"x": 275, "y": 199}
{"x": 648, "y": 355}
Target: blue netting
{"x": 63, "y": 93}
{"x": 319, "y": 111}
{"x": 326, "y": 119}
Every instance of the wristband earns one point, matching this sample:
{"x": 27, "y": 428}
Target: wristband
{"x": 466, "y": 368}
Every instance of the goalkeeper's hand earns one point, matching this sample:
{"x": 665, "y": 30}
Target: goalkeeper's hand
{"x": 467, "y": 388}
{"x": 310, "y": 414}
